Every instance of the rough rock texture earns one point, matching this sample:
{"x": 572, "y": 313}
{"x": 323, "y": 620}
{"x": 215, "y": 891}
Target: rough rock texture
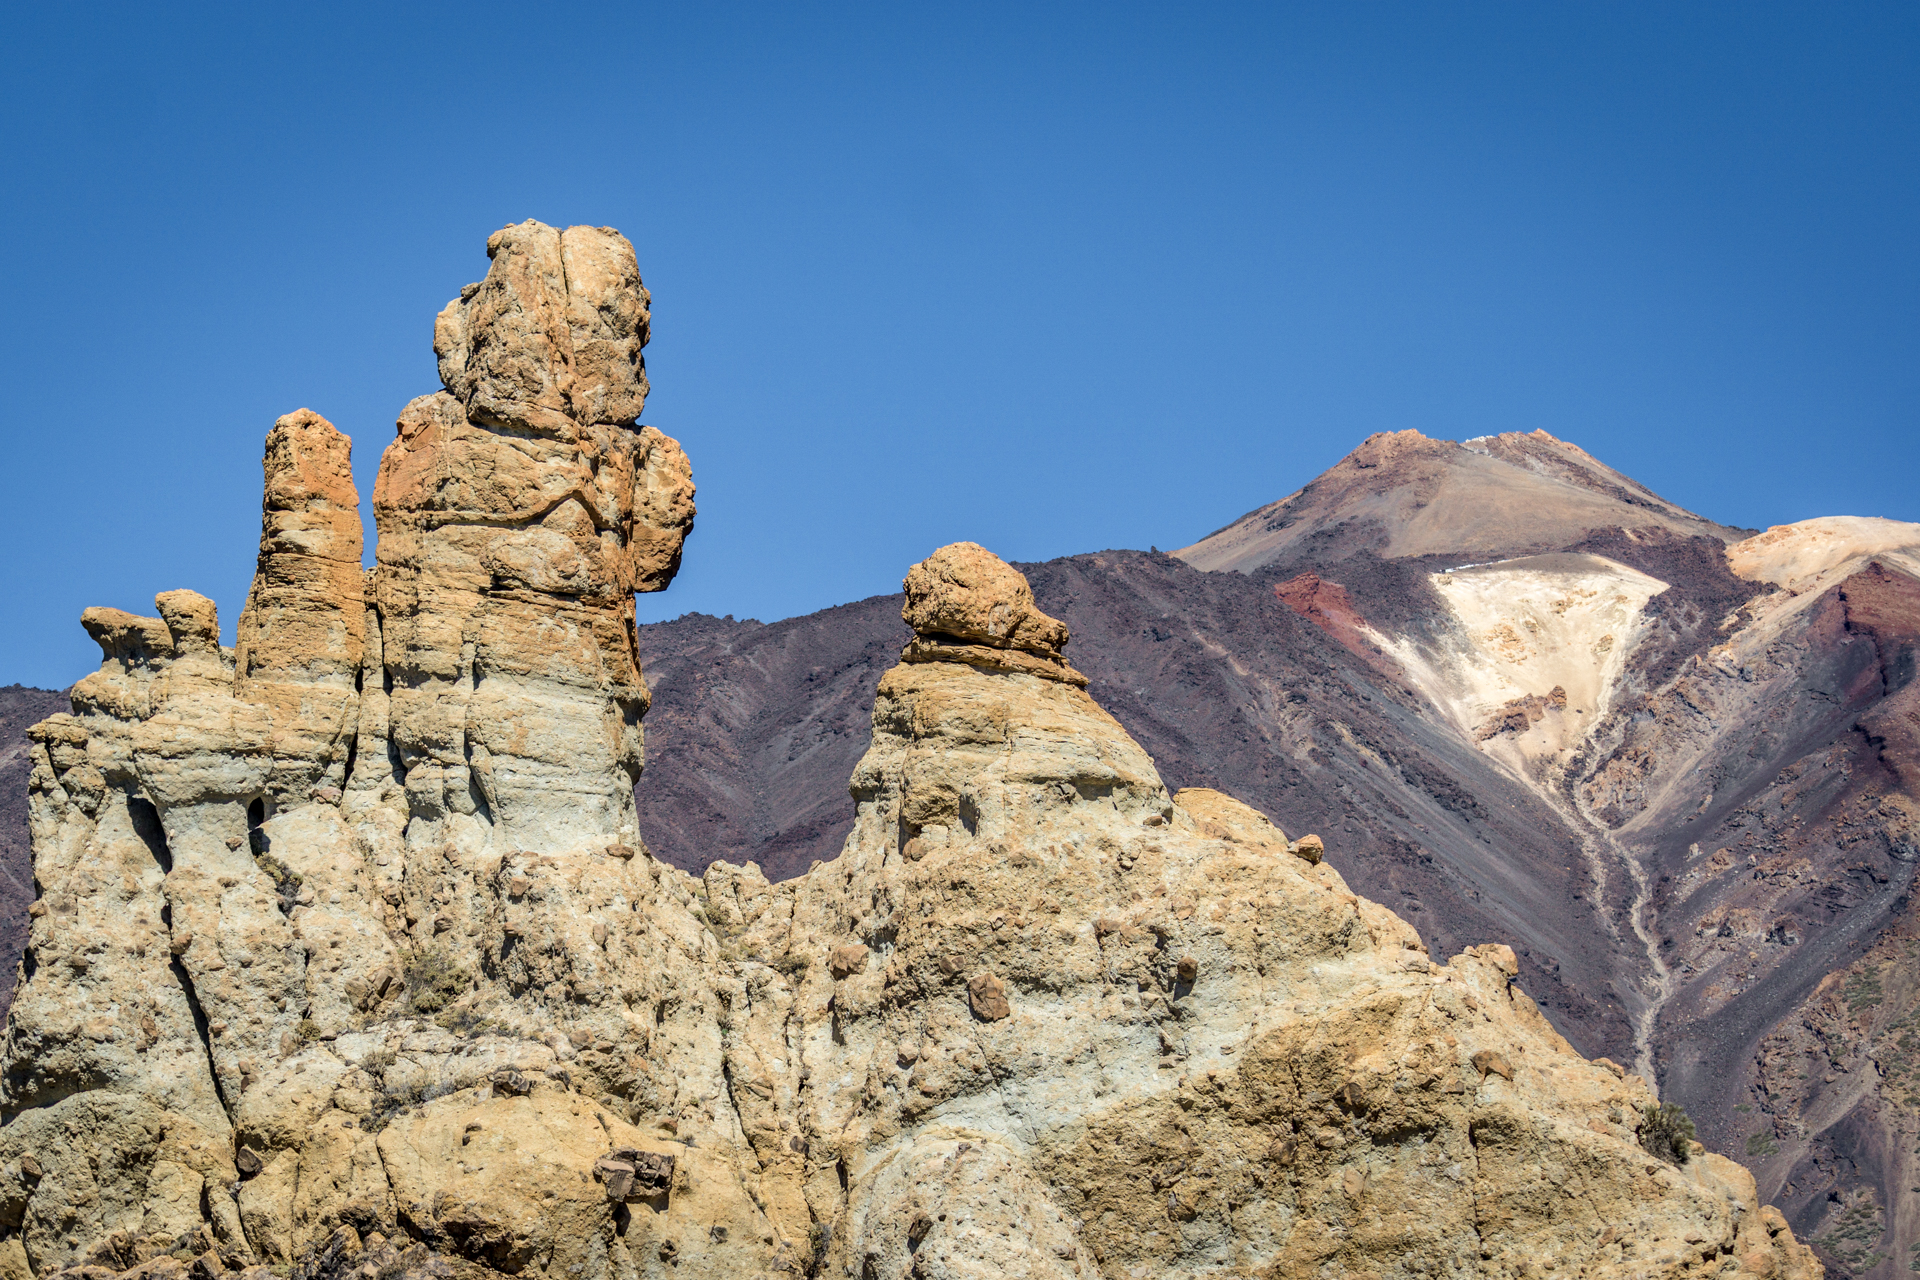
{"x": 967, "y": 605}
{"x": 387, "y": 985}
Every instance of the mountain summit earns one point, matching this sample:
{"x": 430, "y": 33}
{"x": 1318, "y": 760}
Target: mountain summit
{"x": 1402, "y": 495}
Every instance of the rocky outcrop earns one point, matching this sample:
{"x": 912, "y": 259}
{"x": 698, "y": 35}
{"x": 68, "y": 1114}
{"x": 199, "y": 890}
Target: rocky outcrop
{"x": 518, "y": 511}
{"x": 261, "y": 868}
{"x": 967, "y": 605}
{"x": 348, "y": 957}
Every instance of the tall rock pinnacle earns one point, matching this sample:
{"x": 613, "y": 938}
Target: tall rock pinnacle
{"x": 518, "y": 511}
{"x": 302, "y": 636}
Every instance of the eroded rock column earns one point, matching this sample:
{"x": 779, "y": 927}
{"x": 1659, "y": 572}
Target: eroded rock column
{"x": 518, "y": 512}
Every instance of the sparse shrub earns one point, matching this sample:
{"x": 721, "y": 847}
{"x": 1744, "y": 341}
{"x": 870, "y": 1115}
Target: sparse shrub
{"x": 1863, "y": 991}
{"x": 792, "y": 964}
{"x": 307, "y": 1029}
{"x": 432, "y": 979}
{"x": 1667, "y": 1131}
{"x": 1761, "y": 1143}
{"x": 471, "y": 1022}
{"x": 388, "y": 1103}
{"x": 394, "y": 1099}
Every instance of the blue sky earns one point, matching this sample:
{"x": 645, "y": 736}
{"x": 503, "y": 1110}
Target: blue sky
{"x": 1052, "y": 278}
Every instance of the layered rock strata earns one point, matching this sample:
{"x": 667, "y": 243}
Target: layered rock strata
{"x": 373, "y": 976}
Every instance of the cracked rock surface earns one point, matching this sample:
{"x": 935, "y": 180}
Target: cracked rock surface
{"x": 348, "y": 958}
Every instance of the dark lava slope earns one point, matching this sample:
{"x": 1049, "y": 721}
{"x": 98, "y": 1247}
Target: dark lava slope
{"x": 20, "y": 707}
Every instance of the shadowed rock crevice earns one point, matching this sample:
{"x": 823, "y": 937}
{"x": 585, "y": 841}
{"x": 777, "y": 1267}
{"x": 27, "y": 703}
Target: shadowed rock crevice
{"x": 200, "y": 1028}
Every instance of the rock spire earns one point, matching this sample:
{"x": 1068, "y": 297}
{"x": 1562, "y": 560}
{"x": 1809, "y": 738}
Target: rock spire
{"x": 967, "y": 605}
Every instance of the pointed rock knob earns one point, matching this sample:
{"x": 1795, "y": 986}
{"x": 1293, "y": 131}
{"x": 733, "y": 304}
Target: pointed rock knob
{"x": 968, "y": 593}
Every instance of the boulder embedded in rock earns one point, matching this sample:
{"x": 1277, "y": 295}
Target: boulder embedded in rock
{"x": 988, "y": 996}
{"x": 847, "y": 960}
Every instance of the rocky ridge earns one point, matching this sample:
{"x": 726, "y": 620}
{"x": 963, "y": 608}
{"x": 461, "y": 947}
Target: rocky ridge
{"x": 348, "y": 956}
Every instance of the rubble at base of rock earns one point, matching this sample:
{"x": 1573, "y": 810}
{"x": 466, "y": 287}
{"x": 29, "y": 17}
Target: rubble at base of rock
{"x": 350, "y": 962}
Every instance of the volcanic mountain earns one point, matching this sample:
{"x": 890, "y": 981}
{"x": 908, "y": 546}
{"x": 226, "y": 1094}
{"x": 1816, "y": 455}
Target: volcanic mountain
{"x": 1403, "y": 495}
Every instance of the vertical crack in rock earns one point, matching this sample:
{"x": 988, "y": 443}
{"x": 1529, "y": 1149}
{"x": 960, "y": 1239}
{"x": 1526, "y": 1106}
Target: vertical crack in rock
{"x": 185, "y": 980}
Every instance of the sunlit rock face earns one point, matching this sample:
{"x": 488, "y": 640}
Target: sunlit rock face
{"x": 348, "y": 956}
{"x": 518, "y": 512}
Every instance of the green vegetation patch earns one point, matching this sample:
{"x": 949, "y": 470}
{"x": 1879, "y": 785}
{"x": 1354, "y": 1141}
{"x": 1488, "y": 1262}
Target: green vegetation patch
{"x": 1854, "y": 1235}
{"x": 1863, "y": 990}
{"x": 432, "y": 979}
{"x": 1667, "y": 1131}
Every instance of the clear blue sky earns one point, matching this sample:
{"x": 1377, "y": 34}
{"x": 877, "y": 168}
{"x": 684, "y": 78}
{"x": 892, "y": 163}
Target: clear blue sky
{"x": 1053, "y": 278}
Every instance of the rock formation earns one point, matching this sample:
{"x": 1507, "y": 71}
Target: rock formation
{"x": 348, "y": 956}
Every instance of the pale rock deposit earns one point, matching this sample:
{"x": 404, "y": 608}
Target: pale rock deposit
{"x": 356, "y": 963}
{"x": 1813, "y": 554}
{"x": 1537, "y": 653}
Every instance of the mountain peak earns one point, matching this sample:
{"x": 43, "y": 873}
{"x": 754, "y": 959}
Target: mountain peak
{"x": 1402, "y": 494}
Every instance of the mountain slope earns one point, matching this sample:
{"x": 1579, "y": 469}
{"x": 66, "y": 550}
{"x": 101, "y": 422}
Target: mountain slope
{"x": 20, "y": 707}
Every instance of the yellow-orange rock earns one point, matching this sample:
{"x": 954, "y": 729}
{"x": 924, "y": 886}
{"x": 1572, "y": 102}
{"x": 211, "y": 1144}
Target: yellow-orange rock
{"x": 967, "y": 605}
{"x": 301, "y": 638}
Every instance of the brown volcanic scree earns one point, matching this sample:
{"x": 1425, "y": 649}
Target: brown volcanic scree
{"x": 349, "y": 957}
